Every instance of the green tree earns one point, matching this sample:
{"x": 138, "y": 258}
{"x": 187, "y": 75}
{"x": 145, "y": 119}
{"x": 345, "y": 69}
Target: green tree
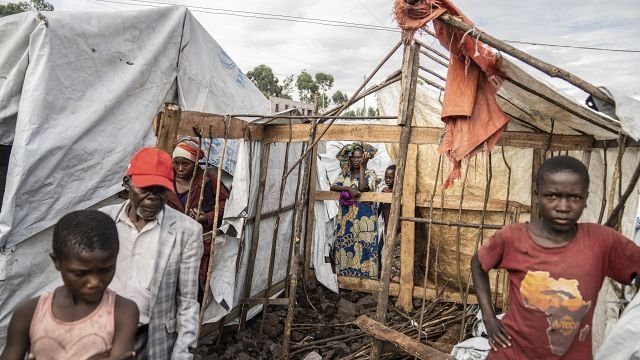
{"x": 307, "y": 87}
{"x": 372, "y": 112}
{"x": 325, "y": 83}
{"x": 339, "y": 98}
{"x": 22, "y": 6}
{"x": 264, "y": 79}
{"x": 287, "y": 87}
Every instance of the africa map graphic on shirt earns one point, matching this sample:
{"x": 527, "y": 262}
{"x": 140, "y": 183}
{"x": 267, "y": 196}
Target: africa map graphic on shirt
{"x": 563, "y": 304}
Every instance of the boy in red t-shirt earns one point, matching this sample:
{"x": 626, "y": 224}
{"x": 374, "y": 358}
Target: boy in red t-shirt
{"x": 556, "y": 268}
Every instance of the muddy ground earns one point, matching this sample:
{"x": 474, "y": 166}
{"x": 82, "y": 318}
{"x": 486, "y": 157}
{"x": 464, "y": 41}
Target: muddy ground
{"x": 325, "y": 316}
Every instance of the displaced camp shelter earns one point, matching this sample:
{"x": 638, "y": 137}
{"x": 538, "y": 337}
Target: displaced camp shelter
{"x": 279, "y": 200}
{"x": 77, "y": 99}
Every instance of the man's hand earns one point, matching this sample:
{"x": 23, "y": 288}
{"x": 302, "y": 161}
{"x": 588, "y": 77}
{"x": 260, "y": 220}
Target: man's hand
{"x": 199, "y": 217}
{"x": 354, "y": 192}
{"x": 498, "y": 337}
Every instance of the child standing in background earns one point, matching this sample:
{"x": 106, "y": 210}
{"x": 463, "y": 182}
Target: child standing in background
{"x": 81, "y": 319}
{"x": 385, "y": 209}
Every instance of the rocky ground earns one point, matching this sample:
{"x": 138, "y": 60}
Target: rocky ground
{"x": 322, "y": 328}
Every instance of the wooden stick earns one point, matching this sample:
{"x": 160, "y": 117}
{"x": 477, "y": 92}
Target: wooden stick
{"x": 452, "y": 223}
{"x": 546, "y": 68}
{"x": 204, "y": 177}
{"x": 479, "y": 239}
{"x": 381, "y": 332}
{"x": 286, "y": 343}
{"x": 407, "y": 240}
{"x": 310, "y": 216}
{"x": 405, "y": 116}
{"x": 535, "y": 166}
{"x": 431, "y": 83}
{"x": 309, "y": 117}
{"x": 255, "y": 234}
{"x": 617, "y": 174}
{"x": 292, "y": 238}
{"x": 603, "y": 201}
{"x": 187, "y": 205}
{"x": 429, "y": 71}
{"x": 427, "y": 260}
{"x": 274, "y": 238}
{"x": 205, "y": 300}
{"x": 424, "y": 45}
{"x": 458, "y": 229}
{"x": 270, "y": 214}
{"x": 616, "y": 214}
{"x": 438, "y": 61}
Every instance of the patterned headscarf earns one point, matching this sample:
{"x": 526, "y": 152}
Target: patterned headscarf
{"x": 346, "y": 152}
{"x": 188, "y": 147}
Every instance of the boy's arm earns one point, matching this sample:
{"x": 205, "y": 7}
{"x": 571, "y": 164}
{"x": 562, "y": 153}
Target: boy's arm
{"x": 126, "y": 325}
{"x": 497, "y": 334}
{"x": 18, "y": 333}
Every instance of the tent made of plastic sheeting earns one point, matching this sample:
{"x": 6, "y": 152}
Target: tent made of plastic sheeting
{"x": 78, "y": 92}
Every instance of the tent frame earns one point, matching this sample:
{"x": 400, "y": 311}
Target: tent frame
{"x": 317, "y": 128}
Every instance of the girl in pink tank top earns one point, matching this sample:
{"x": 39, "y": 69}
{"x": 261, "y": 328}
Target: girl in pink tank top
{"x": 81, "y": 320}
{"x": 52, "y": 338}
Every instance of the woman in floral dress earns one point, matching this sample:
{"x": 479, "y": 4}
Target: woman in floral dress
{"x": 356, "y": 248}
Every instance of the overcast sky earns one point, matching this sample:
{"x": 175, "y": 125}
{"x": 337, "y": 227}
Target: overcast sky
{"x": 350, "y": 53}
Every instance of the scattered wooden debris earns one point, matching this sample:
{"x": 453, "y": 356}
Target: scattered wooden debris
{"x": 411, "y": 346}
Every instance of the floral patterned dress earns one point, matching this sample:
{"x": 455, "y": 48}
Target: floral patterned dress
{"x": 356, "y": 246}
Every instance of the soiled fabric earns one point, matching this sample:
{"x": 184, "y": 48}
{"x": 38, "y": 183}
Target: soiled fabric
{"x": 356, "y": 246}
{"x": 473, "y": 120}
{"x": 54, "y": 339}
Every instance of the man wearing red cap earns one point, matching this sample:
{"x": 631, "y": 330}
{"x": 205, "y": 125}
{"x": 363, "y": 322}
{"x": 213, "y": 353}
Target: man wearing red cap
{"x": 160, "y": 251}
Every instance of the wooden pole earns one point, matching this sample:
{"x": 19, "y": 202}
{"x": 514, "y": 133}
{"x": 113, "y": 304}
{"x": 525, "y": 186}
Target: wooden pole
{"x": 545, "y": 67}
{"x": 255, "y": 234}
{"x": 168, "y": 127}
{"x": 408, "y": 94}
{"x": 274, "y": 238}
{"x": 615, "y": 216}
{"x": 407, "y": 246}
{"x": 406, "y": 343}
{"x": 293, "y": 281}
{"x": 311, "y": 212}
{"x": 205, "y": 300}
{"x": 535, "y": 165}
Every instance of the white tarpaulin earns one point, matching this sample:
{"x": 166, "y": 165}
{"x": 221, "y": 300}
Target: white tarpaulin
{"x": 78, "y": 92}
{"x": 87, "y": 98}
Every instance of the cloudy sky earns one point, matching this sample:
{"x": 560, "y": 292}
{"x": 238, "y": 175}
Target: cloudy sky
{"x": 349, "y": 53}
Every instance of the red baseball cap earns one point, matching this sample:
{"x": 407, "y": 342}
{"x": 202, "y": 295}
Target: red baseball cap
{"x": 151, "y": 167}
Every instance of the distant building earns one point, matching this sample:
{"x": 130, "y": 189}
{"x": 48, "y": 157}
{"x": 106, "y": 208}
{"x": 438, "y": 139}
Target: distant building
{"x": 279, "y": 104}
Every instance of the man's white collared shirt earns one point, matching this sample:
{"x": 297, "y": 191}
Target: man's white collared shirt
{"x": 136, "y": 260}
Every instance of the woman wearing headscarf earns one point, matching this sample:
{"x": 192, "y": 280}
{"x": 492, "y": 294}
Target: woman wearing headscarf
{"x": 356, "y": 248}
{"x": 185, "y": 156}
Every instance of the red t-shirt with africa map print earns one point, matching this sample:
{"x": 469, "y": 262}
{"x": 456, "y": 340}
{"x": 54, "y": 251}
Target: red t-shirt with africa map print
{"x": 553, "y": 291}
